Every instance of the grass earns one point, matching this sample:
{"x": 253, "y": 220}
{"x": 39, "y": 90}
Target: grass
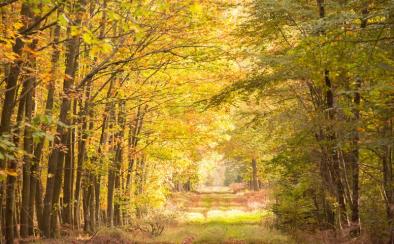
{"x": 222, "y": 233}
{"x": 232, "y": 216}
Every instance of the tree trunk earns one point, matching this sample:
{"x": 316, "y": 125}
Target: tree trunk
{"x": 111, "y": 171}
{"x": 28, "y": 148}
{"x": 33, "y": 172}
{"x": 10, "y": 220}
{"x": 68, "y": 178}
{"x": 97, "y": 199}
{"x": 87, "y": 195}
{"x": 388, "y": 181}
{"x": 110, "y": 196}
{"x": 134, "y": 132}
{"x": 81, "y": 159}
{"x": 118, "y": 161}
{"x": 92, "y": 204}
{"x": 355, "y": 146}
{"x": 255, "y": 184}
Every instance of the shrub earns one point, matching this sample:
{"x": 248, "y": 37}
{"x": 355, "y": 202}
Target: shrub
{"x": 155, "y": 222}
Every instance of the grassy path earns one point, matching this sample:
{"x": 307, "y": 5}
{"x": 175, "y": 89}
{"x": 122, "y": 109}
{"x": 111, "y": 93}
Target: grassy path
{"x": 222, "y": 217}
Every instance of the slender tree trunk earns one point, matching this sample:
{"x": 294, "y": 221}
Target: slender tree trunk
{"x": 255, "y": 185}
{"x": 132, "y": 144}
{"x": 87, "y": 198}
{"x": 118, "y": 162}
{"x": 33, "y": 174}
{"x": 67, "y": 186}
{"x": 39, "y": 205}
{"x": 28, "y": 148}
{"x": 355, "y": 146}
{"x": 388, "y": 180}
{"x": 69, "y": 173}
{"x": 10, "y": 220}
{"x": 110, "y": 196}
{"x": 81, "y": 159}
{"x": 92, "y": 203}
{"x": 97, "y": 199}
{"x": 355, "y": 219}
{"x": 111, "y": 171}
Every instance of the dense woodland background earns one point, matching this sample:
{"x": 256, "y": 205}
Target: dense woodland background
{"x": 109, "y": 106}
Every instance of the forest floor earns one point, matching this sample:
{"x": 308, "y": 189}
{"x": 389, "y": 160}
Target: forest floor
{"x": 217, "y": 215}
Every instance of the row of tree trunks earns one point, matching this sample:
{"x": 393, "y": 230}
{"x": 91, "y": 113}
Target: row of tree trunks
{"x": 35, "y": 183}
{"x": 70, "y": 185}
{"x": 5, "y": 126}
{"x": 65, "y": 186}
{"x": 56, "y": 159}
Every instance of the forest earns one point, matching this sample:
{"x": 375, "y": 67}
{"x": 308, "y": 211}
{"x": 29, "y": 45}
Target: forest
{"x": 196, "y": 121}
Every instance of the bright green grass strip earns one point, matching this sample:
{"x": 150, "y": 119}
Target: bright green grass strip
{"x": 219, "y": 233}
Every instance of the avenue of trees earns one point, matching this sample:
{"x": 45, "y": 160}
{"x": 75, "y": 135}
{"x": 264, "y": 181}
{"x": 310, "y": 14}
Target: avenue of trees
{"x": 108, "y": 106}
